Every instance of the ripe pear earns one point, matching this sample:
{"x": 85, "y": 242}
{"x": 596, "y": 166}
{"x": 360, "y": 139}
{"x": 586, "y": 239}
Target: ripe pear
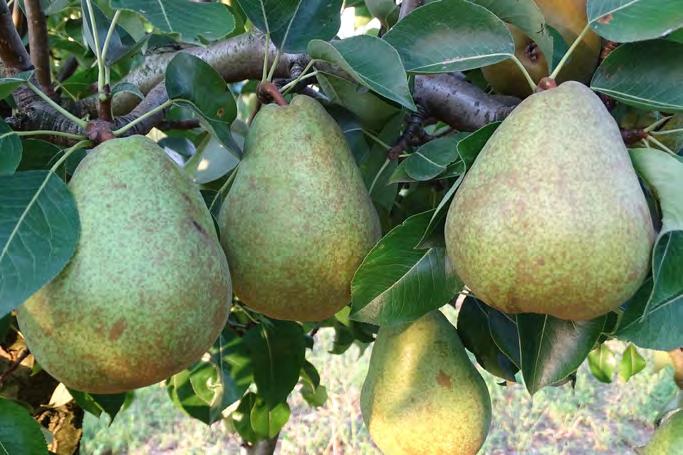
{"x": 569, "y": 18}
{"x": 668, "y": 439}
{"x": 551, "y": 218}
{"x": 422, "y": 395}
{"x": 148, "y": 289}
{"x": 298, "y": 220}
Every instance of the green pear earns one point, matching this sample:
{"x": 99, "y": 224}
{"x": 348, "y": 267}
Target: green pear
{"x": 147, "y": 291}
{"x": 422, "y": 395}
{"x": 568, "y": 18}
{"x": 668, "y": 439}
{"x": 298, "y": 220}
{"x": 551, "y": 217}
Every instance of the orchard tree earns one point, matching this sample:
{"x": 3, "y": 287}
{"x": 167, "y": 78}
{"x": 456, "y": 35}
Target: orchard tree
{"x": 190, "y": 190}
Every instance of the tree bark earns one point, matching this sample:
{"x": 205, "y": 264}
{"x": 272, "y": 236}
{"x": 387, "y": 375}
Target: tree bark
{"x": 38, "y": 44}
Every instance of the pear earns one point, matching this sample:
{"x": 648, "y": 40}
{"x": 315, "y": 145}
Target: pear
{"x": 551, "y": 217}
{"x": 298, "y": 220}
{"x": 568, "y": 18}
{"x": 148, "y": 289}
{"x": 422, "y": 395}
{"x": 668, "y": 439}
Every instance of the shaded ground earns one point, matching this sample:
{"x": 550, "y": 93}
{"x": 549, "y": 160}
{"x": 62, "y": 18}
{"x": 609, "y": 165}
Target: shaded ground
{"x": 593, "y": 418}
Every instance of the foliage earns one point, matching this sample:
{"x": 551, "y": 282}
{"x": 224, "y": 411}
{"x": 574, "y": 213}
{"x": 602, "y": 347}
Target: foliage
{"x": 369, "y": 84}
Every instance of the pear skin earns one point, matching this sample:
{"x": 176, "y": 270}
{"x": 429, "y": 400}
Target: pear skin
{"x": 298, "y": 219}
{"x": 148, "y": 289}
{"x": 422, "y": 395}
{"x": 668, "y": 438}
{"x": 551, "y": 217}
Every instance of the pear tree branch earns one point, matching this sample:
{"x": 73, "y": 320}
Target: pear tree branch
{"x": 38, "y": 44}
{"x": 12, "y": 51}
{"x": 447, "y": 97}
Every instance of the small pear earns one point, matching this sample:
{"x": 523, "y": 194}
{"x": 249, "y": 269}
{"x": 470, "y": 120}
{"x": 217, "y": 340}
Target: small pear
{"x": 148, "y": 289}
{"x": 551, "y": 217}
{"x": 298, "y": 220}
{"x": 568, "y": 18}
{"x": 422, "y": 395}
{"x": 668, "y": 438}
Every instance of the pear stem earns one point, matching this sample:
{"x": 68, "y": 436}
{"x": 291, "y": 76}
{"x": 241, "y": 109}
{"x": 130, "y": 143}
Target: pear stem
{"x": 569, "y": 52}
{"x": 80, "y": 122}
{"x": 268, "y": 91}
{"x": 273, "y": 67}
{"x": 68, "y": 153}
{"x": 266, "y": 53}
{"x": 97, "y": 50}
{"x": 105, "y": 46}
{"x": 526, "y": 74}
{"x": 301, "y": 76}
{"x": 292, "y": 84}
{"x": 381, "y": 170}
{"x": 662, "y": 146}
{"x": 376, "y": 139}
{"x": 125, "y": 128}
{"x": 665, "y": 132}
{"x": 43, "y": 133}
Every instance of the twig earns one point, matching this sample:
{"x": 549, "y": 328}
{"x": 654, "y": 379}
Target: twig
{"x": 38, "y": 44}
{"x": 12, "y": 51}
{"x": 141, "y": 118}
{"x": 13, "y": 366}
{"x": 407, "y": 6}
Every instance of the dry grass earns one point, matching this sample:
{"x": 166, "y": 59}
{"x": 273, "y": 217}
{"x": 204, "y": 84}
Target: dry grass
{"x": 593, "y": 418}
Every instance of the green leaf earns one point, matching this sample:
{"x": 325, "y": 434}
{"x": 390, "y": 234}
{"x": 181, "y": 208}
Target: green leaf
{"x": 293, "y": 23}
{"x": 192, "y": 21}
{"x": 397, "y": 282}
{"x": 431, "y": 159}
{"x": 631, "y": 363}
{"x": 277, "y": 351}
{"x": 503, "y": 329}
{"x": 372, "y": 111}
{"x": 39, "y": 229}
{"x": 473, "y": 329}
{"x": 212, "y": 161}
{"x": 267, "y": 421}
{"x": 551, "y": 349}
{"x": 384, "y": 10}
{"x": 38, "y": 154}
{"x": 231, "y": 355}
{"x": 126, "y": 87}
{"x": 97, "y": 404}
{"x": 634, "y": 20}
{"x": 19, "y": 433}
{"x": 5, "y": 324}
{"x": 207, "y": 388}
{"x": 645, "y": 75}
{"x": 376, "y": 169}
{"x": 101, "y": 27}
{"x": 602, "y": 363}
{"x": 371, "y": 62}
{"x": 193, "y": 82}
{"x": 10, "y": 84}
{"x": 450, "y": 35}
{"x": 10, "y": 150}
{"x": 241, "y": 418}
{"x": 526, "y": 15}
{"x": 468, "y": 149}
{"x": 653, "y": 317}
